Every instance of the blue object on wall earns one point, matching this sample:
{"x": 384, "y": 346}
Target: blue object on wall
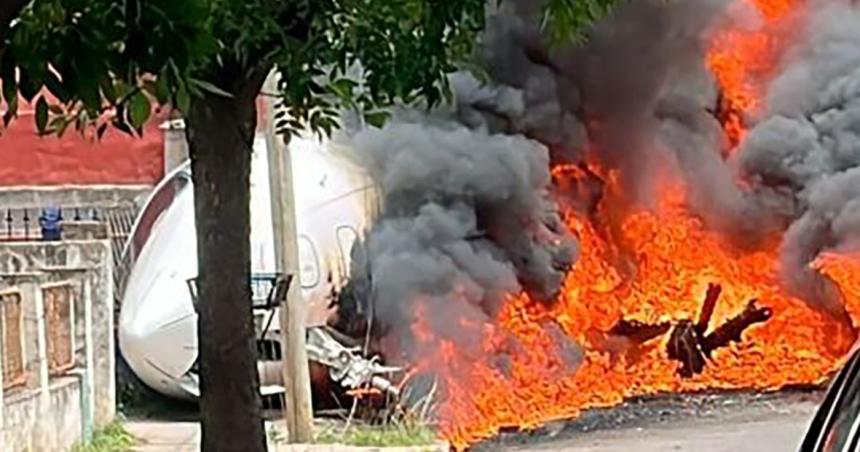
{"x": 51, "y": 222}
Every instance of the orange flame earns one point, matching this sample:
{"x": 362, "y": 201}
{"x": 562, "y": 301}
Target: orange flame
{"x": 520, "y": 378}
{"x": 650, "y": 266}
{"x": 744, "y": 60}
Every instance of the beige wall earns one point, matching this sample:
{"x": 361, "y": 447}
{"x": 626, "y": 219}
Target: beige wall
{"x": 49, "y": 412}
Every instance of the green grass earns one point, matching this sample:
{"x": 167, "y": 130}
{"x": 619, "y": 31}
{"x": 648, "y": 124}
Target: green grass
{"x": 113, "y": 438}
{"x": 395, "y": 435}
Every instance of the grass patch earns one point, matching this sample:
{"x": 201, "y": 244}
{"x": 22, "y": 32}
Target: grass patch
{"x": 113, "y": 438}
{"x": 392, "y": 435}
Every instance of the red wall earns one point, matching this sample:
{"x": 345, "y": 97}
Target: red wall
{"x": 27, "y": 159}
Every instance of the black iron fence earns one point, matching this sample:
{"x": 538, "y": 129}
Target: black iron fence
{"x": 46, "y": 223}
{"x": 33, "y": 224}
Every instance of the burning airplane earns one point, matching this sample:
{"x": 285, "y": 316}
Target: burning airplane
{"x": 551, "y": 242}
{"x": 670, "y": 207}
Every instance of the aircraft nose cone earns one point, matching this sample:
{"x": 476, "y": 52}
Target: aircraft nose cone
{"x": 158, "y": 329}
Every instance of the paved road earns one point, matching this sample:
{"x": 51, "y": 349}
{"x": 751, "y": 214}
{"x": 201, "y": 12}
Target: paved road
{"x": 164, "y": 436}
{"x": 777, "y": 431}
{"x": 781, "y": 434}
{"x": 772, "y": 424}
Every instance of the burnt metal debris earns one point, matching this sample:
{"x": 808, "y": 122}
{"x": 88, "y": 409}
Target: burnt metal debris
{"x": 639, "y": 332}
{"x": 689, "y": 342}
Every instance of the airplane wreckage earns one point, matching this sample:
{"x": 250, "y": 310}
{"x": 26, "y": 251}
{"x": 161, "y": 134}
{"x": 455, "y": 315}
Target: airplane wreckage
{"x": 158, "y": 322}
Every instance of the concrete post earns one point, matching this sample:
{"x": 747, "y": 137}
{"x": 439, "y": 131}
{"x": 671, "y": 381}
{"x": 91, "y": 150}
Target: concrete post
{"x": 42, "y": 347}
{"x": 299, "y": 411}
{"x": 88, "y": 382}
{"x": 175, "y": 144}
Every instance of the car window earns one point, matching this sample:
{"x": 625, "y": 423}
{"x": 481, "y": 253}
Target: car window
{"x": 839, "y": 434}
{"x": 835, "y": 424}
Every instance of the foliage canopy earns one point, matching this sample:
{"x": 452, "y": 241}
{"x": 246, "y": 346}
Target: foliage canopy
{"x": 105, "y": 62}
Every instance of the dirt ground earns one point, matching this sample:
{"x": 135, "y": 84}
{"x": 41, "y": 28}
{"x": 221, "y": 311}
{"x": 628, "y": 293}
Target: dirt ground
{"x": 721, "y": 423}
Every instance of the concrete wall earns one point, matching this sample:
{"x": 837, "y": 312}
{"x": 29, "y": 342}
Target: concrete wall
{"x": 50, "y": 413}
{"x": 73, "y": 159}
{"x": 76, "y": 196}
{"x": 30, "y": 426}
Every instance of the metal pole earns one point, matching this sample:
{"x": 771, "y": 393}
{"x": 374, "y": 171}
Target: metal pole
{"x": 298, "y": 408}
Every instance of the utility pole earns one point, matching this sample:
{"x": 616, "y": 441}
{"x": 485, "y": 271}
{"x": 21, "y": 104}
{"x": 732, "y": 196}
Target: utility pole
{"x": 298, "y": 408}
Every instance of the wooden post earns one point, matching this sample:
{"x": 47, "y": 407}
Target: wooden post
{"x": 298, "y": 408}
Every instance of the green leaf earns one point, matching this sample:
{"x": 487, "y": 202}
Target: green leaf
{"x": 55, "y": 86}
{"x": 41, "y": 115}
{"x": 89, "y": 92}
{"x": 343, "y": 88}
{"x": 11, "y": 110}
{"x": 27, "y": 86}
{"x": 121, "y": 126}
{"x": 59, "y": 124}
{"x": 139, "y": 109}
{"x": 162, "y": 90}
{"x": 182, "y": 99}
{"x": 377, "y": 119}
{"x": 101, "y": 131}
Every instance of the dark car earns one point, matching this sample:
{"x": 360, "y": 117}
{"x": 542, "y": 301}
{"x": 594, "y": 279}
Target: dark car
{"x": 836, "y": 425}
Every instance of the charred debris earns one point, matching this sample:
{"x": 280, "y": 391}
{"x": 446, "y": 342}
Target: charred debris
{"x": 690, "y": 343}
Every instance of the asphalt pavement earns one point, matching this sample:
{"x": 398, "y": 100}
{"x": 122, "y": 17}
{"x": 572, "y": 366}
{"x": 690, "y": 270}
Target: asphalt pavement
{"x": 774, "y": 425}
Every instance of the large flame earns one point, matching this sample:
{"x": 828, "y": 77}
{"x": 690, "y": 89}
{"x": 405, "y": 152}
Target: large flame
{"x": 520, "y": 377}
{"x": 527, "y": 367}
{"x": 743, "y": 60}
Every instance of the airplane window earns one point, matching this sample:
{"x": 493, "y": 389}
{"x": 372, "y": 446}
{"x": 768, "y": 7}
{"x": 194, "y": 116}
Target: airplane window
{"x": 346, "y": 237}
{"x": 309, "y": 269}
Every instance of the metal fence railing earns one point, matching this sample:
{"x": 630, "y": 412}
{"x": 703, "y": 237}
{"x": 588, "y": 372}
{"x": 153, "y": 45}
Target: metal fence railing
{"x": 120, "y": 222}
{"x": 38, "y": 223}
{"x": 268, "y": 292}
{"x": 46, "y": 223}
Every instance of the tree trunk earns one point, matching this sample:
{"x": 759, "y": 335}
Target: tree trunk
{"x": 220, "y": 137}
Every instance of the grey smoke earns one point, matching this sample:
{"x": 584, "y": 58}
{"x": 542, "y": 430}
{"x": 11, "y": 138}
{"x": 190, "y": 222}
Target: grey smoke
{"x": 466, "y": 220}
{"x": 642, "y": 92}
{"x": 468, "y": 213}
{"x": 808, "y": 139}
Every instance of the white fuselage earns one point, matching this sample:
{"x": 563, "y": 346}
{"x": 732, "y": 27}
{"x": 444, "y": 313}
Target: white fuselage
{"x": 158, "y": 326}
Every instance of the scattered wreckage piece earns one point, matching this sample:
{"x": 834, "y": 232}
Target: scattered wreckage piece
{"x": 627, "y": 338}
{"x": 692, "y": 347}
{"x": 348, "y": 366}
{"x": 684, "y": 346}
{"x": 639, "y": 332}
{"x": 732, "y": 330}
{"x": 689, "y": 342}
